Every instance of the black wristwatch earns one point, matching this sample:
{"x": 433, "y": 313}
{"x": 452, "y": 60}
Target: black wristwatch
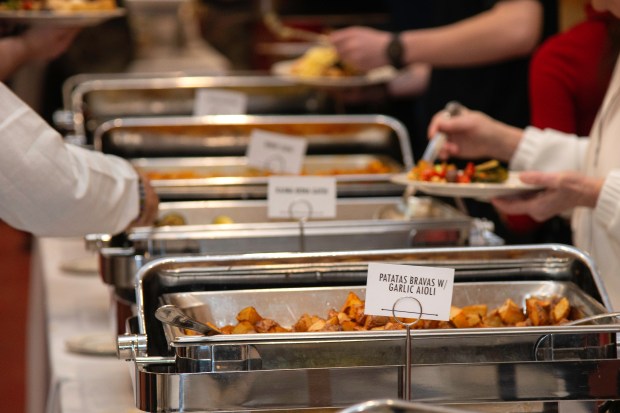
{"x": 395, "y": 51}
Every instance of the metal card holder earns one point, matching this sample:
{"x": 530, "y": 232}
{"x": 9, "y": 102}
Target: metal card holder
{"x": 407, "y": 381}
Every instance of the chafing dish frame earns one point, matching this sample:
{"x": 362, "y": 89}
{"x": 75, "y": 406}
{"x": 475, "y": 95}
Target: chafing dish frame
{"x": 118, "y": 264}
{"x": 162, "y": 387}
{"x": 77, "y": 89}
{"x": 241, "y": 187}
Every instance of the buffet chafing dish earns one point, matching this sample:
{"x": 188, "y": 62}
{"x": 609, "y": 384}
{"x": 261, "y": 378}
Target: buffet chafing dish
{"x": 360, "y": 224}
{"x": 90, "y": 100}
{"x": 508, "y": 369}
{"x": 211, "y": 149}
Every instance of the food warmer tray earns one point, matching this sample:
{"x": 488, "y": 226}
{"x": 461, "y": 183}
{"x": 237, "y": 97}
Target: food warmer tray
{"x": 502, "y": 369}
{"x": 360, "y": 224}
{"x": 216, "y": 146}
{"x": 90, "y": 100}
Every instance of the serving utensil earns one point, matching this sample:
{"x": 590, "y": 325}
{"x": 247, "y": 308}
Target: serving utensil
{"x": 173, "y": 315}
{"x": 452, "y": 108}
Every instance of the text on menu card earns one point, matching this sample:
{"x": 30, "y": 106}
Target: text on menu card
{"x": 297, "y": 197}
{"x": 276, "y": 152}
{"x": 430, "y": 290}
{"x": 220, "y": 102}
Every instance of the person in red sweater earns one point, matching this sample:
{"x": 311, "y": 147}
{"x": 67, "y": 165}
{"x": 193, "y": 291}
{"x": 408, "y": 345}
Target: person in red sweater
{"x": 569, "y": 74}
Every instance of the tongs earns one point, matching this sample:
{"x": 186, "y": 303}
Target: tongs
{"x": 452, "y": 108}
{"x": 173, "y": 315}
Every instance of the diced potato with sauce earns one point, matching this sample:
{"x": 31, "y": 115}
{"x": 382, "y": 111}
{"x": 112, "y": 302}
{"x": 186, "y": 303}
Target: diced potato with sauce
{"x": 492, "y": 319}
{"x": 511, "y": 313}
{"x": 250, "y": 315}
{"x": 468, "y": 316}
{"x": 243, "y": 327}
{"x": 538, "y": 311}
{"x": 561, "y": 310}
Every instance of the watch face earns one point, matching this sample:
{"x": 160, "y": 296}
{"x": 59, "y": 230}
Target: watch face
{"x": 395, "y": 52}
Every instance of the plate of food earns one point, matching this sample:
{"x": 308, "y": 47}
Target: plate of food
{"x": 76, "y": 13}
{"x": 483, "y": 182}
{"x": 320, "y": 66}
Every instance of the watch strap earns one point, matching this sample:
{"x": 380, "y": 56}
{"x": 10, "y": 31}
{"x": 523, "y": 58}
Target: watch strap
{"x": 395, "y": 51}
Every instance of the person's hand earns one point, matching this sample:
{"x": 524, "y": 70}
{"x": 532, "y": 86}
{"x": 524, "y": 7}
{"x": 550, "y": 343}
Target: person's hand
{"x": 361, "y": 47}
{"x": 150, "y": 206}
{"x": 46, "y": 43}
{"x": 562, "y": 191}
{"x": 474, "y": 135}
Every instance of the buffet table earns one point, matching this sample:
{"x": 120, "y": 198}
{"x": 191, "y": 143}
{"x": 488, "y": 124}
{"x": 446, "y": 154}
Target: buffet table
{"x": 72, "y": 306}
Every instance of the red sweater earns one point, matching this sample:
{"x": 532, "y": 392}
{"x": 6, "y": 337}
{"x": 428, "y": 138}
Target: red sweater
{"x": 568, "y": 78}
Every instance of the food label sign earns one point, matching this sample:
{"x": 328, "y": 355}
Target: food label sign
{"x": 409, "y": 290}
{"x": 301, "y": 197}
{"x": 276, "y": 152}
{"x": 219, "y": 102}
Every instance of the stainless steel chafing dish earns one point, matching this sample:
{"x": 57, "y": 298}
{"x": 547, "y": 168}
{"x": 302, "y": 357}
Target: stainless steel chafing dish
{"x": 212, "y": 149}
{"x": 360, "y": 224}
{"x": 90, "y": 100}
{"x": 507, "y": 369}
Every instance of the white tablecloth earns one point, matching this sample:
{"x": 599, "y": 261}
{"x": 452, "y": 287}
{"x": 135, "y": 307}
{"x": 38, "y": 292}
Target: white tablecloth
{"x": 66, "y": 306}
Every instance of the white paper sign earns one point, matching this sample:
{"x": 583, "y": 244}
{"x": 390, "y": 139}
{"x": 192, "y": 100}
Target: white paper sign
{"x": 219, "y": 102}
{"x": 390, "y": 284}
{"x": 301, "y": 197}
{"x": 276, "y": 152}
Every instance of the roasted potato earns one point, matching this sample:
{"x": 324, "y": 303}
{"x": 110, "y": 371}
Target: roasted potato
{"x": 538, "y": 311}
{"x": 511, "y": 313}
{"x": 250, "y": 315}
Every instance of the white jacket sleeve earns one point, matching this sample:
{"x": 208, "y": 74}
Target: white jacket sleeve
{"x": 549, "y": 150}
{"x": 607, "y": 210}
{"x": 51, "y": 188}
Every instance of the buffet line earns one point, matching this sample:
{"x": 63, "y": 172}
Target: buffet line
{"x": 215, "y": 251}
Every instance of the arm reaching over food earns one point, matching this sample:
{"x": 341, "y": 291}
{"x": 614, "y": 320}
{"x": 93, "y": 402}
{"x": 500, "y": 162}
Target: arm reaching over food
{"x": 507, "y": 30}
{"x": 51, "y": 188}
{"x": 474, "y": 135}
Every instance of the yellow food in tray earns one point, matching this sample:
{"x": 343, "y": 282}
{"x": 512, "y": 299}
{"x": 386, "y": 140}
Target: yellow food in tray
{"x": 321, "y": 61}
{"x": 538, "y": 311}
{"x": 372, "y": 167}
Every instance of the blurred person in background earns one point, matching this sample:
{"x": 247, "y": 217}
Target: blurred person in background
{"x": 475, "y": 52}
{"x": 570, "y": 73}
{"x": 580, "y": 176}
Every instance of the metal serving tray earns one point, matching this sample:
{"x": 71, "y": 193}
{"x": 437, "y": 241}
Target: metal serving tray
{"x": 473, "y": 367}
{"x": 221, "y": 177}
{"x": 287, "y": 305}
{"x": 217, "y": 145}
{"x": 360, "y": 224}
{"x": 90, "y": 100}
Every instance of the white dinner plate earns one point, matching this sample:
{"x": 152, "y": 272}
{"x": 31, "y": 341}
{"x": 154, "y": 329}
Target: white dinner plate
{"x": 373, "y": 77}
{"x": 481, "y": 191}
{"x": 60, "y": 18}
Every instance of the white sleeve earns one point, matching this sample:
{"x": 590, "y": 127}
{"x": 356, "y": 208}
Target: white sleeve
{"x": 549, "y": 150}
{"x": 51, "y": 188}
{"x": 607, "y": 210}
